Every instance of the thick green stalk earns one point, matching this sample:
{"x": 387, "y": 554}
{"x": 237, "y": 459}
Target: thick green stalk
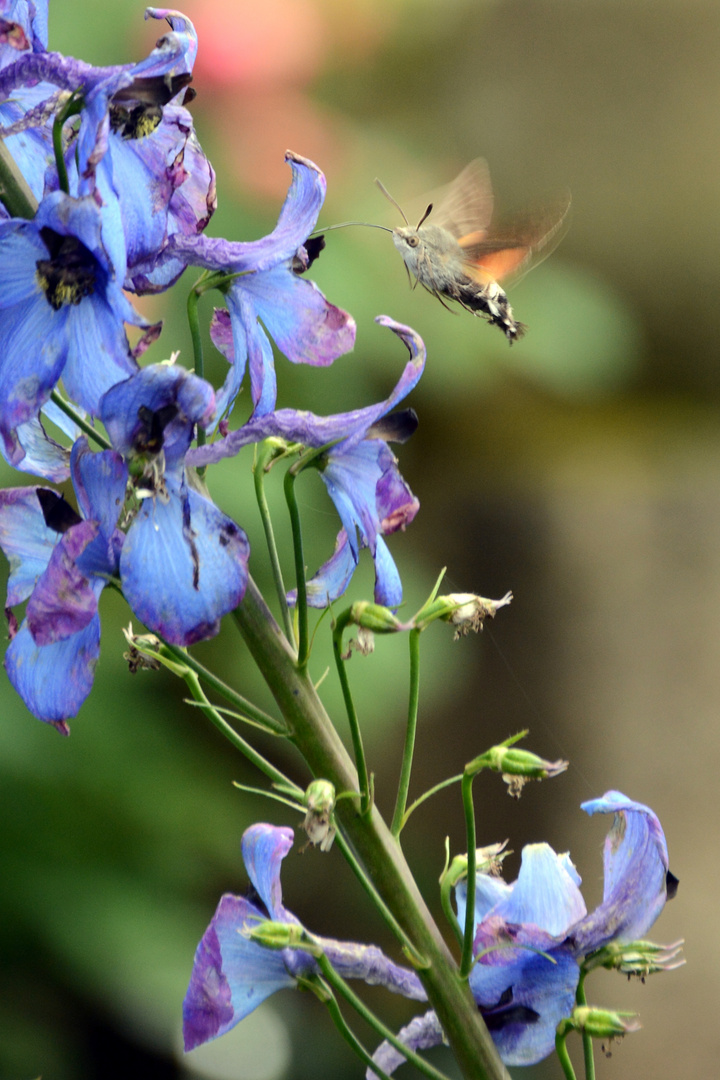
{"x": 318, "y": 741}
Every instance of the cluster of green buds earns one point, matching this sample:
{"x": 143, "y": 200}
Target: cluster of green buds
{"x": 636, "y": 958}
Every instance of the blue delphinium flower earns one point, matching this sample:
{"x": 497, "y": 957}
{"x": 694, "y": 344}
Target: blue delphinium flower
{"x": 62, "y": 314}
{"x": 232, "y": 975}
{"x": 135, "y": 151}
{"x": 532, "y": 935}
{"x": 138, "y": 154}
{"x": 183, "y": 563}
{"x": 301, "y": 322}
{"x": 60, "y": 563}
{"x": 359, "y": 471}
{"x": 23, "y": 117}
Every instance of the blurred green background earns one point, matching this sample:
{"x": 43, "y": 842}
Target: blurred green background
{"x": 580, "y": 469}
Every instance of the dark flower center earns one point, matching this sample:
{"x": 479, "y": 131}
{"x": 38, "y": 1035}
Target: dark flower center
{"x": 68, "y": 276}
{"x": 136, "y": 121}
{"x": 149, "y": 435}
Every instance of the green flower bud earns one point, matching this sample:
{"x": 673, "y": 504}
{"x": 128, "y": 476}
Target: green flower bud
{"x": 603, "y": 1023}
{"x": 318, "y": 825}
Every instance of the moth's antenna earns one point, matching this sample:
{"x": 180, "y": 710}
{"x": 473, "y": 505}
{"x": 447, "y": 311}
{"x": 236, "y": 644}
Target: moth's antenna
{"x": 388, "y": 196}
{"x": 425, "y": 216}
{"x": 344, "y": 224}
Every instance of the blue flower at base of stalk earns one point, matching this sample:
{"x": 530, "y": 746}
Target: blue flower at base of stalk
{"x": 60, "y": 563}
{"x": 184, "y": 563}
{"x": 62, "y": 315}
{"x": 359, "y": 471}
{"x": 232, "y": 975}
{"x": 532, "y": 935}
{"x": 306, "y": 328}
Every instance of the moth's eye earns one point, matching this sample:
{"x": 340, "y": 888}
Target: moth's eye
{"x": 413, "y": 241}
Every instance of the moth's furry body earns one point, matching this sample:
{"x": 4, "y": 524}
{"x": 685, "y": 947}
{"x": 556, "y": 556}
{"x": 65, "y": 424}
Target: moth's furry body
{"x": 461, "y": 256}
{"x": 434, "y": 256}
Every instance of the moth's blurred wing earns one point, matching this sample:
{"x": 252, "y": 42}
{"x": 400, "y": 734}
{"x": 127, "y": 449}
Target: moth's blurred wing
{"x": 466, "y": 205}
{"x": 511, "y": 249}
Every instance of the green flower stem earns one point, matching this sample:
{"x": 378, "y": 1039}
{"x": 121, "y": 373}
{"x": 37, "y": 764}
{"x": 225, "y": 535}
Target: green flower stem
{"x": 15, "y": 192}
{"x": 195, "y": 334}
{"x": 399, "y": 816}
{"x": 341, "y": 987}
{"x": 469, "y": 931}
{"x": 360, "y": 763}
{"x": 72, "y": 107}
{"x": 359, "y": 871}
{"x": 446, "y": 886}
{"x": 256, "y": 759}
{"x": 426, "y": 795}
{"x": 198, "y": 355}
{"x": 301, "y": 607}
{"x": 80, "y": 421}
{"x": 314, "y": 735}
{"x": 262, "y": 719}
{"x": 265, "y": 454}
{"x": 588, "y": 1052}
{"x": 323, "y": 992}
{"x": 563, "y": 1030}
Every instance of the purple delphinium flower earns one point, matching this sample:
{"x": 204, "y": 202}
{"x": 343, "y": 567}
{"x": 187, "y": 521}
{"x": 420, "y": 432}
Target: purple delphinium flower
{"x": 232, "y": 975}
{"x": 301, "y": 322}
{"x": 184, "y": 562}
{"x": 359, "y": 471}
{"x": 60, "y": 562}
{"x": 531, "y": 936}
{"x": 62, "y": 312}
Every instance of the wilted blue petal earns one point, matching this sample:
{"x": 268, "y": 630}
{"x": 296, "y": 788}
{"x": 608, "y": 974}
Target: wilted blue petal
{"x": 636, "y": 870}
{"x": 64, "y": 601}
{"x": 183, "y": 565}
{"x": 54, "y": 680}
{"x": 422, "y": 1033}
{"x": 333, "y": 577}
{"x": 41, "y": 455}
{"x": 263, "y": 849}
{"x": 25, "y": 539}
{"x": 231, "y": 976}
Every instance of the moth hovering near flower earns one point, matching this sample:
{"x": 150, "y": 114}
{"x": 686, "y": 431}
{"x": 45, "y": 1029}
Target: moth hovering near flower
{"x": 461, "y": 255}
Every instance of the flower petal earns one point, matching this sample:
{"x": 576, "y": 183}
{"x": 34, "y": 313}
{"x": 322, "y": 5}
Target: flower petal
{"x": 263, "y": 848}
{"x": 544, "y": 894}
{"x": 54, "y": 680}
{"x": 636, "y": 869}
{"x": 183, "y": 566}
{"x": 63, "y": 601}
{"x": 231, "y": 976}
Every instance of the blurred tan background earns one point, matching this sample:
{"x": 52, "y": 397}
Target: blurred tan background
{"x": 580, "y": 469}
